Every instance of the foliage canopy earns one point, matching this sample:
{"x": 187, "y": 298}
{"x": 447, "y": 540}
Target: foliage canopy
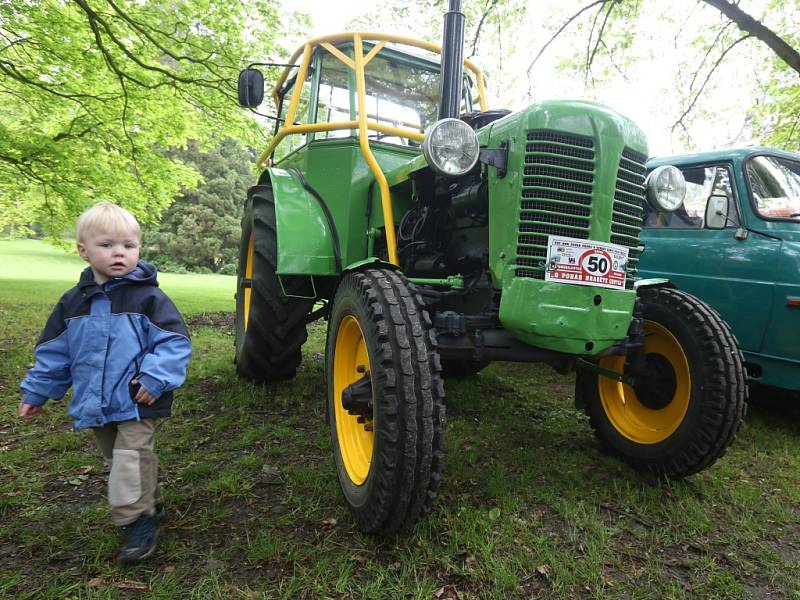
{"x": 201, "y": 230}
{"x": 93, "y": 94}
{"x": 756, "y": 40}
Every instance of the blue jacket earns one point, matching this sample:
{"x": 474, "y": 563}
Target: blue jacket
{"x": 98, "y": 338}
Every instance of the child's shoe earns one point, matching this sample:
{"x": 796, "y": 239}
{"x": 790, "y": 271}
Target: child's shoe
{"x": 140, "y": 540}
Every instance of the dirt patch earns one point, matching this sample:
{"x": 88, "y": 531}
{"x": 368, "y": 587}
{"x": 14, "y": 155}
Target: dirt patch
{"x": 788, "y": 548}
{"x": 218, "y": 320}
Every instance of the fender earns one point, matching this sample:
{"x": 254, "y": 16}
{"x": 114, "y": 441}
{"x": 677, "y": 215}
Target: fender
{"x": 371, "y": 260}
{"x": 355, "y": 266}
{"x": 299, "y": 209}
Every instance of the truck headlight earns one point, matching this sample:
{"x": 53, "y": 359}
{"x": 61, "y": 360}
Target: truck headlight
{"x": 451, "y": 147}
{"x": 665, "y": 187}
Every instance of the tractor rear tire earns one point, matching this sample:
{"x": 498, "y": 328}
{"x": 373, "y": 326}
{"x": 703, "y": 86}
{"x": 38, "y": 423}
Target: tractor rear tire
{"x": 389, "y": 451}
{"x": 270, "y": 326}
{"x": 681, "y": 417}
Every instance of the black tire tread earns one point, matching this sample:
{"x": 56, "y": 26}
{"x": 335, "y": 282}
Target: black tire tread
{"x": 408, "y": 471}
{"x": 270, "y": 349}
{"x": 724, "y": 401}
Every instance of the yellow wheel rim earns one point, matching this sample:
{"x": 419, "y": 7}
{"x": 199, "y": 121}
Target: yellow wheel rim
{"x": 351, "y": 363}
{"x": 629, "y": 416}
{"x": 248, "y": 273}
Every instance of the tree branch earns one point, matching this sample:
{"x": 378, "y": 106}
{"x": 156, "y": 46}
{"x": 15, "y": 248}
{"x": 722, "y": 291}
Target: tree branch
{"x": 480, "y": 24}
{"x": 14, "y": 43}
{"x": 756, "y": 29}
{"x": 711, "y": 47}
{"x": 705, "y": 82}
{"x": 562, "y": 28}
{"x": 590, "y": 58}
{"x": 141, "y": 29}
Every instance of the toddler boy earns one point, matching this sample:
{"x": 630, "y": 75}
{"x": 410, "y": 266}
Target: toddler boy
{"x": 121, "y": 344}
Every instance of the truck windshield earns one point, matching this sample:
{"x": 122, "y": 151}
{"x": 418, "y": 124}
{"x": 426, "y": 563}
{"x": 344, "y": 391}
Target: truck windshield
{"x": 775, "y": 184}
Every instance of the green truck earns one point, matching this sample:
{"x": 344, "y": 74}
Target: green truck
{"x": 436, "y": 235}
{"x": 735, "y": 243}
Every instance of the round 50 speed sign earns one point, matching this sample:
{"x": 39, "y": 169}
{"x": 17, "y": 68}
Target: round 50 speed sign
{"x": 596, "y": 262}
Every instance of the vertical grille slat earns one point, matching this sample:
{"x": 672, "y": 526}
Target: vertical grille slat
{"x": 628, "y": 210}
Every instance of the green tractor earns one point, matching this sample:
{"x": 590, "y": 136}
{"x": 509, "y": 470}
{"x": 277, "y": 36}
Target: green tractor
{"x": 436, "y": 236}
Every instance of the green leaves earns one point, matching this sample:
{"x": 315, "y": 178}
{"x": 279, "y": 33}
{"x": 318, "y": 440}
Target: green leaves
{"x": 95, "y": 92}
{"x": 201, "y": 230}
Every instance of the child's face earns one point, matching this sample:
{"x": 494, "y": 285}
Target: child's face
{"x": 110, "y": 254}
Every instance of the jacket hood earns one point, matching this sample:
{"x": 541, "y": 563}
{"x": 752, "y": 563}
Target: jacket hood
{"x": 143, "y": 273}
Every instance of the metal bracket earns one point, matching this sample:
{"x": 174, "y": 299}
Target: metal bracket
{"x": 496, "y": 157}
{"x": 597, "y": 369}
{"x": 313, "y": 289}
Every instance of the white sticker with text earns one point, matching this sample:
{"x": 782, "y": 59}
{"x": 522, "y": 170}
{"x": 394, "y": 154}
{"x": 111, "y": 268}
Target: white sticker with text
{"x": 585, "y": 262}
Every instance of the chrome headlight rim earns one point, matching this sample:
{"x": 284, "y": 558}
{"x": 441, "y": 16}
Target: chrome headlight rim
{"x": 659, "y": 197}
{"x": 430, "y": 156}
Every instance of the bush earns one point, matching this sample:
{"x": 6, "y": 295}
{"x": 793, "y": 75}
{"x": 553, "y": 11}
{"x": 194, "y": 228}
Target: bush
{"x": 228, "y": 269}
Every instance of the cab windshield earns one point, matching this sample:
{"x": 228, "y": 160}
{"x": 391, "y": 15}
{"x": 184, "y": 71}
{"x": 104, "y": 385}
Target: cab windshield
{"x": 775, "y": 185}
{"x": 397, "y": 94}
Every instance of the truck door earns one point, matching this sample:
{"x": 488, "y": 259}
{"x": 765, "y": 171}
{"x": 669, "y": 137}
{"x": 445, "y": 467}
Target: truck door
{"x": 733, "y": 272}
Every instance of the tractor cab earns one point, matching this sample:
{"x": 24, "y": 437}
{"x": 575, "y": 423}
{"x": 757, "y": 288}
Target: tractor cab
{"x": 355, "y": 108}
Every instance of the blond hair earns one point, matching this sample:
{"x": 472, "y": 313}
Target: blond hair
{"x": 106, "y": 216}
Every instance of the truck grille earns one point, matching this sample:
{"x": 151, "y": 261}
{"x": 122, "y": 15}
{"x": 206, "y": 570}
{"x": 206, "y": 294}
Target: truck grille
{"x": 627, "y": 212}
{"x": 557, "y": 186}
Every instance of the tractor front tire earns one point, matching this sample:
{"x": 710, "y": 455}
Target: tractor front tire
{"x": 682, "y": 416}
{"x": 385, "y": 400}
{"x": 270, "y": 326}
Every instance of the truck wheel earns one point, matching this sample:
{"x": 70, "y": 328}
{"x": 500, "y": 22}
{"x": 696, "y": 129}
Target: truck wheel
{"x": 459, "y": 369}
{"x": 684, "y": 414}
{"x": 270, "y": 326}
{"x": 385, "y": 400}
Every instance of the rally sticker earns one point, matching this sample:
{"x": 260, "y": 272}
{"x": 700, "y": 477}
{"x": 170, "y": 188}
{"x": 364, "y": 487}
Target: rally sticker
{"x": 585, "y": 262}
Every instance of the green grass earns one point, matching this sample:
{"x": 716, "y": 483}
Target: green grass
{"x": 529, "y": 507}
{"x": 39, "y": 273}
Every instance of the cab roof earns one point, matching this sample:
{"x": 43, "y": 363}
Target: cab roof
{"x": 724, "y": 154}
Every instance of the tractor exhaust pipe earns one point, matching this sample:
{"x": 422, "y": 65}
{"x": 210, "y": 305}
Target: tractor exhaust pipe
{"x": 452, "y": 62}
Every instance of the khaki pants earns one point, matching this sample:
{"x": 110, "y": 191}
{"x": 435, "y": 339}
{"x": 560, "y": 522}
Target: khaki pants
{"x": 128, "y": 448}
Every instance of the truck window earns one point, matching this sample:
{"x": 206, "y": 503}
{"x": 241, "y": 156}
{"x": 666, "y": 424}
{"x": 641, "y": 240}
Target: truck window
{"x": 775, "y": 185}
{"x": 701, "y": 183}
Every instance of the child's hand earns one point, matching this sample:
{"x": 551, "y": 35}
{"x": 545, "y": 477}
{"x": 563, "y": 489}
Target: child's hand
{"x": 26, "y": 411}
{"x": 143, "y": 396}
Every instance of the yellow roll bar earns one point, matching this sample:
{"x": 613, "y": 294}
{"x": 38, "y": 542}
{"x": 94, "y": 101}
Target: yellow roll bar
{"x": 362, "y": 124}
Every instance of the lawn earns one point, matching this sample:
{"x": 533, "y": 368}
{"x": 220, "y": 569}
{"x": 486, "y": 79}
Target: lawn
{"x": 530, "y": 506}
{"x": 35, "y": 272}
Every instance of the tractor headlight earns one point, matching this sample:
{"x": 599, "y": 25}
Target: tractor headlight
{"x": 665, "y": 188}
{"x": 451, "y": 147}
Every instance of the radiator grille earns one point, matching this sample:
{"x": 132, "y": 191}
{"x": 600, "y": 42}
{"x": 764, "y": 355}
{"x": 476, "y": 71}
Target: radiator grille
{"x": 557, "y": 186}
{"x": 556, "y": 198}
